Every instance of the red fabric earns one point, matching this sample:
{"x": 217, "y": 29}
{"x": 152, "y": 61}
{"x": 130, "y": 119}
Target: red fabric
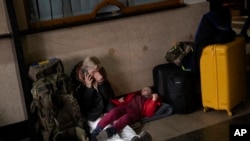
{"x": 127, "y": 99}
{"x": 134, "y": 107}
{"x": 149, "y": 106}
{"x": 122, "y": 115}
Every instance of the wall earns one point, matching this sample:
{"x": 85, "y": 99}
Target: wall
{"x": 129, "y": 48}
{"x": 12, "y": 106}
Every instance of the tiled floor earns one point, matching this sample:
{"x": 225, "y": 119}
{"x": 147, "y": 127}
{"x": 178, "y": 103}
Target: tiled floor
{"x": 196, "y": 126}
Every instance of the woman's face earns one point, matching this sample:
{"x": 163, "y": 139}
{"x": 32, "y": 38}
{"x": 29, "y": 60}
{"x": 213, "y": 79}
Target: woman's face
{"x": 96, "y": 74}
{"x": 92, "y": 71}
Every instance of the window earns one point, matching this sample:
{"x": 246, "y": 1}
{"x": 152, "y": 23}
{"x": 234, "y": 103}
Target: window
{"x": 51, "y": 13}
{"x": 193, "y": 1}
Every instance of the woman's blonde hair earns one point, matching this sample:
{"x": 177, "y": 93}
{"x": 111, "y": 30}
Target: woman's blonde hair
{"x": 94, "y": 63}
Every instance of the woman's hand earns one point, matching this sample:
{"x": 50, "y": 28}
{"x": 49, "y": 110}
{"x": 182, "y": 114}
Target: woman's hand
{"x": 85, "y": 79}
{"x": 88, "y": 80}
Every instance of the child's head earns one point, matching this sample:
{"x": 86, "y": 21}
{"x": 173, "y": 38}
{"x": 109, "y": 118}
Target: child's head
{"x": 146, "y": 91}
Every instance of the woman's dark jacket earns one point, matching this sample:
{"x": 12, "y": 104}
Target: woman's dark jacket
{"x": 93, "y": 103}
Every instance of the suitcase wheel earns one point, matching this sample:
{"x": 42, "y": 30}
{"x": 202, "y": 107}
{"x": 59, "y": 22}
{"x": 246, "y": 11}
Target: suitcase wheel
{"x": 229, "y": 113}
{"x": 205, "y": 109}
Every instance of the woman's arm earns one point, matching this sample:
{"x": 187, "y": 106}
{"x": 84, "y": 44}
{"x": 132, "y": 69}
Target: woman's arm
{"x": 85, "y": 97}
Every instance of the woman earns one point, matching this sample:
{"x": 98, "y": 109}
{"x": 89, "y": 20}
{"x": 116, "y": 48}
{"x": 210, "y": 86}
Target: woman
{"x": 92, "y": 89}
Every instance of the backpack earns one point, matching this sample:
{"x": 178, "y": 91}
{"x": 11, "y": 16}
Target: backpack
{"x": 45, "y": 68}
{"x": 58, "y": 112}
{"x": 180, "y": 54}
{"x": 69, "y": 123}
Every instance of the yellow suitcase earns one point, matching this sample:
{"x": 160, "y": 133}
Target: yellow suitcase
{"x": 223, "y": 75}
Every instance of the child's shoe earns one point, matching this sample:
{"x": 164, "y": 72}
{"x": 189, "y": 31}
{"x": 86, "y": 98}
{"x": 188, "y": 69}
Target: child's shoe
{"x": 145, "y": 136}
{"x": 94, "y": 134}
{"x": 105, "y": 134}
{"x": 135, "y": 138}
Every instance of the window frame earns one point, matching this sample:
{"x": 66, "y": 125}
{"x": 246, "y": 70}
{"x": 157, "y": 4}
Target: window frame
{"x": 91, "y": 17}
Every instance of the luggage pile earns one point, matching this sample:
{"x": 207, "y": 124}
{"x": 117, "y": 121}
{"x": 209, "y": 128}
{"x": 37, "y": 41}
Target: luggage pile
{"x": 222, "y": 78}
{"x": 173, "y": 81}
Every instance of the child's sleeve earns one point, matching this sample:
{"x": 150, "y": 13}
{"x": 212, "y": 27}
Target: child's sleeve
{"x": 150, "y": 107}
{"x": 127, "y": 99}
{"x": 116, "y": 102}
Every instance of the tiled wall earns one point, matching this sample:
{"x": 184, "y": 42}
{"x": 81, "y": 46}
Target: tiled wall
{"x": 129, "y": 48}
{"x": 12, "y": 106}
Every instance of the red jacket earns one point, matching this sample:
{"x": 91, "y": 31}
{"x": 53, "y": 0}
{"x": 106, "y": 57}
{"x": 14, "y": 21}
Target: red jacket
{"x": 149, "y": 106}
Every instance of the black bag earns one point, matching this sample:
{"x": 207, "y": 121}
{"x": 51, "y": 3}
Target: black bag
{"x": 175, "y": 86}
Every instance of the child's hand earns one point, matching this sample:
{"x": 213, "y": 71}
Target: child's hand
{"x": 121, "y": 99}
{"x": 154, "y": 96}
